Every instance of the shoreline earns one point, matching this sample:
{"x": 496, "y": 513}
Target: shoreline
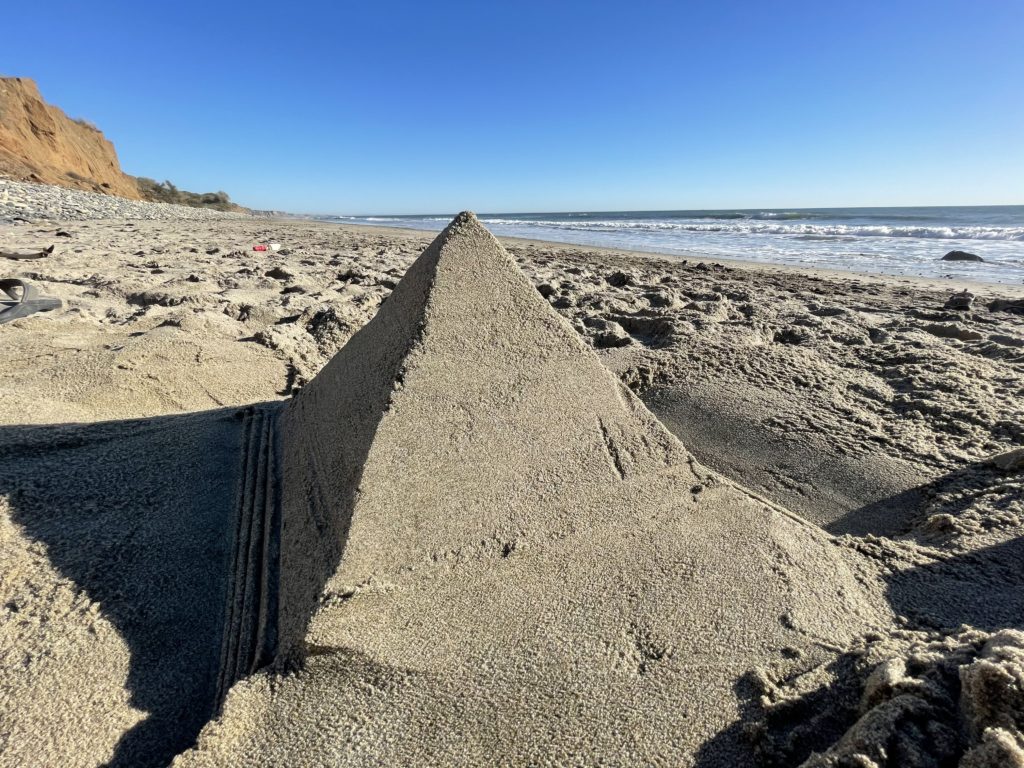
{"x": 43, "y": 203}
{"x": 1002, "y": 290}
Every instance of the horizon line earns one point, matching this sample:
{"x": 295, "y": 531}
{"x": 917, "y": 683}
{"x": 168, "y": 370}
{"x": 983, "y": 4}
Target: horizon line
{"x": 674, "y": 210}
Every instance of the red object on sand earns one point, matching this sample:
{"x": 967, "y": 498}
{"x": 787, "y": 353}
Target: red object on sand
{"x": 259, "y": 247}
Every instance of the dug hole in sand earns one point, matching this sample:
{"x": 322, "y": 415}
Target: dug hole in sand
{"x": 491, "y": 553}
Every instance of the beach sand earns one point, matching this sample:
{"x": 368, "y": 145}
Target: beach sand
{"x": 780, "y": 564}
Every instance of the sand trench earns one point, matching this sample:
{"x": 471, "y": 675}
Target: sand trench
{"x": 250, "y": 633}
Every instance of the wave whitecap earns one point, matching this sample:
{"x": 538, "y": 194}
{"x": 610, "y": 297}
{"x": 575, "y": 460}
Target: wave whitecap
{"x": 752, "y": 227}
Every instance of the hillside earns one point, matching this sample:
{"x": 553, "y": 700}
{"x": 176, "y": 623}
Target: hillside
{"x": 40, "y": 143}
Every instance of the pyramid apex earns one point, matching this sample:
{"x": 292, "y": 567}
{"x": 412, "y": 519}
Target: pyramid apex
{"x": 461, "y": 220}
{"x": 464, "y": 240}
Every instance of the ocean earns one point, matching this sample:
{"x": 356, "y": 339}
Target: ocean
{"x": 894, "y": 241}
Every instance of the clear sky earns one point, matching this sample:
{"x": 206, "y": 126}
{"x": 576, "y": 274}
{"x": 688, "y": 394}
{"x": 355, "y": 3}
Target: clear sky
{"x": 418, "y": 107}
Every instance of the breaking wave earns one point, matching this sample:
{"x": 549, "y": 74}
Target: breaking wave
{"x": 752, "y": 227}
{"x": 899, "y": 241}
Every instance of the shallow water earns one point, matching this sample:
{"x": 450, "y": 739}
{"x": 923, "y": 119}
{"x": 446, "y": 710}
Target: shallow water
{"x": 894, "y": 241}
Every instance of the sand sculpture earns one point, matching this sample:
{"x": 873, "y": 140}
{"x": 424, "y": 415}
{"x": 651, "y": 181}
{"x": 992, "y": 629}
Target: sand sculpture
{"x": 491, "y": 552}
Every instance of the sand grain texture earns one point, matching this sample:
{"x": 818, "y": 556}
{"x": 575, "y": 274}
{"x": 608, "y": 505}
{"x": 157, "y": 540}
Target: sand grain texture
{"x": 525, "y": 566}
{"x": 563, "y": 600}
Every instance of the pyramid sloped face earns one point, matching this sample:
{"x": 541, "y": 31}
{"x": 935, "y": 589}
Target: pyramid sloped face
{"x": 465, "y": 414}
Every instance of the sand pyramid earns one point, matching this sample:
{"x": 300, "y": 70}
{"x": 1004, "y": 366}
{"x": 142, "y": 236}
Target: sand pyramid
{"x": 492, "y": 554}
{"x": 464, "y": 416}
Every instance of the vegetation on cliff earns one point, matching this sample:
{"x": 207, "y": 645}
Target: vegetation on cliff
{"x": 167, "y": 192}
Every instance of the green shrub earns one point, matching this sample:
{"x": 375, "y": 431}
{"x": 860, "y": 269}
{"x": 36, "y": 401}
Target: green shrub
{"x": 167, "y": 192}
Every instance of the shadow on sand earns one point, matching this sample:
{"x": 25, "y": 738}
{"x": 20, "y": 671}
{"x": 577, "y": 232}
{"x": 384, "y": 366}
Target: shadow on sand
{"x": 983, "y": 588}
{"x": 139, "y": 515}
{"x": 143, "y": 517}
{"x": 901, "y": 511}
{"x": 784, "y": 736}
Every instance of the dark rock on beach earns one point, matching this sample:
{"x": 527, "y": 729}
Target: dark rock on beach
{"x": 961, "y": 256}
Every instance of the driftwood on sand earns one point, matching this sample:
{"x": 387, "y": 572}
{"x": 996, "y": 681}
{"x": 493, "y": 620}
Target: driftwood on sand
{"x": 26, "y": 255}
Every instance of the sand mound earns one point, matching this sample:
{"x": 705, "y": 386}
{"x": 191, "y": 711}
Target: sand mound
{"x": 491, "y": 553}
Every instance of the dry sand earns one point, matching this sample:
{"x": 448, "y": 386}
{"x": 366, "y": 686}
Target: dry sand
{"x": 522, "y": 566}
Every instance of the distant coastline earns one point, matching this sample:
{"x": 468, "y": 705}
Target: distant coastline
{"x": 894, "y": 241}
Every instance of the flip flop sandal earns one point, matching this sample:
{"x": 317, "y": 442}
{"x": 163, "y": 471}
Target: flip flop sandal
{"x": 22, "y": 299}
{"x": 26, "y": 256}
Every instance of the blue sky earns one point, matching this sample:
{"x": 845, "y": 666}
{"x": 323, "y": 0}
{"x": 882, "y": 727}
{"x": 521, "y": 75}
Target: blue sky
{"x": 395, "y": 107}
